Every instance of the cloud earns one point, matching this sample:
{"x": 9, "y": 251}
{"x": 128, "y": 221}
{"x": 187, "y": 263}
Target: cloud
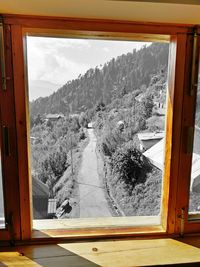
{"x": 47, "y": 60}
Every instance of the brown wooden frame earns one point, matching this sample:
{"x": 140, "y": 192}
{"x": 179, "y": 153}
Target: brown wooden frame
{"x": 180, "y": 37}
{"x": 188, "y": 121}
{"x": 10, "y": 174}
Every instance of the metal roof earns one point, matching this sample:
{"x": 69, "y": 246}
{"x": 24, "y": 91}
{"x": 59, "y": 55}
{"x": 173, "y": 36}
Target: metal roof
{"x": 150, "y": 135}
{"x": 156, "y": 155}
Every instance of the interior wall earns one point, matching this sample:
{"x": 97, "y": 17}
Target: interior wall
{"x": 105, "y": 9}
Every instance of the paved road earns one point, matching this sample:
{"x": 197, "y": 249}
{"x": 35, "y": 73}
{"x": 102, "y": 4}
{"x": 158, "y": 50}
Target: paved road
{"x": 92, "y": 199}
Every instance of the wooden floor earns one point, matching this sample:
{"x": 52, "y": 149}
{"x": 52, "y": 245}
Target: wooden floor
{"x": 152, "y": 252}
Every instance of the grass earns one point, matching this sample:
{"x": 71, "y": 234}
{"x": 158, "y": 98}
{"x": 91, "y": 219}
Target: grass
{"x": 144, "y": 199}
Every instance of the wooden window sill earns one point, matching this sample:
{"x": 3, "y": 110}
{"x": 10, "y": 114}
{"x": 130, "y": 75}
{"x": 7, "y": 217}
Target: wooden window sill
{"x": 97, "y": 227}
{"x": 96, "y": 222}
{"x": 141, "y": 252}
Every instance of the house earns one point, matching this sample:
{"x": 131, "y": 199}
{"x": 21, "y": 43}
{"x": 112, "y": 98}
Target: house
{"x": 156, "y": 155}
{"x": 40, "y": 193}
{"x": 90, "y": 247}
{"x": 148, "y": 139}
{"x": 54, "y": 117}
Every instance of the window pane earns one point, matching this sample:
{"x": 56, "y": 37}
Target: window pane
{"x": 194, "y": 205}
{"x": 2, "y": 218}
{"x": 97, "y": 118}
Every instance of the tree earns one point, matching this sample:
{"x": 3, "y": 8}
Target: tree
{"x": 38, "y": 120}
{"x": 83, "y": 121}
{"x": 129, "y": 165}
{"x": 148, "y": 105}
{"x": 100, "y": 106}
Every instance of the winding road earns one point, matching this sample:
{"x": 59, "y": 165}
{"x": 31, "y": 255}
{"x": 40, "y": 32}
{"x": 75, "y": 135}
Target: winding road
{"x": 93, "y": 203}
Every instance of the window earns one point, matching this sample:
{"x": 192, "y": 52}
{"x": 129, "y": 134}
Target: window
{"x": 107, "y": 110}
{"x": 175, "y": 182}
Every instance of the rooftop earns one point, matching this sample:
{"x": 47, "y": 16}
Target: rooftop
{"x": 156, "y": 155}
{"x": 39, "y": 188}
{"x": 150, "y": 135}
{"x": 54, "y": 116}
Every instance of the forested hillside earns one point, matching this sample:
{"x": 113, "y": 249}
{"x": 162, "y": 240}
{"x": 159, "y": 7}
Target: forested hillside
{"x": 124, "y": 74}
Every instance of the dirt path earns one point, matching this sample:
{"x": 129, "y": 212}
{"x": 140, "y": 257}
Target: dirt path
{"x": 92, "y": 199}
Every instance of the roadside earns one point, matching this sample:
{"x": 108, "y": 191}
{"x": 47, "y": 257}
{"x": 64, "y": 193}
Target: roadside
{"x": 103, "y": 174}
{"x": 67, "y": 189}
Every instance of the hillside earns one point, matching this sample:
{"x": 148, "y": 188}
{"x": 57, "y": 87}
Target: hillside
{"x": 126, "y": 73}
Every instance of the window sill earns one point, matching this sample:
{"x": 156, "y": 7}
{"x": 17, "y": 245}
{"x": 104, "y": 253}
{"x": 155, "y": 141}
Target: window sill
{"x": 97, "y": 227}
{"x": 96, "y": 222}
{"x": 143, "y": 252}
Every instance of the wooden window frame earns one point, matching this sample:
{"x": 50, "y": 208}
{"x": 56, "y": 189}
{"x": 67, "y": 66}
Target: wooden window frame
{"x": 175, "y": 178}
{"x": 9, "y": 158}
{"x": 190, "y": 223}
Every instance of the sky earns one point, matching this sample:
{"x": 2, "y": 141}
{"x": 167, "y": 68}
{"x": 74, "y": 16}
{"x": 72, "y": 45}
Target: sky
{"x": 52, "y": 62}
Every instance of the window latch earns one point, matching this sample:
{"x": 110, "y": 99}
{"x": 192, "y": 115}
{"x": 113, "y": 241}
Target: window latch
{"x": 182, "y": 221}
{"x": 195, "y": 62}
{"x": 4, "y": 82}
{"x": 10, "y": 227}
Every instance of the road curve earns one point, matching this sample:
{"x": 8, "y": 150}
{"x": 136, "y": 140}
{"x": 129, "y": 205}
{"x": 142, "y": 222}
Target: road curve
{"x": 93, "y": 203}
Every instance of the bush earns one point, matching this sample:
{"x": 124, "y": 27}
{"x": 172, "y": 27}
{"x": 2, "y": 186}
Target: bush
{"x": 105, "y": 149}
{"x": 130, "y": 166}
{"x": 53, "y": 166}
{"x": 82, "y": 135}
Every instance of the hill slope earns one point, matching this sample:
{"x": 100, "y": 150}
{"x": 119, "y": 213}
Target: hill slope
{"x": 126, "y": 73}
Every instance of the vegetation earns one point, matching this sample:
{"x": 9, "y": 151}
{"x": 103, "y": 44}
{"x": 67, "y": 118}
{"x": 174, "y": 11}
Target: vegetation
{"x": 133, "y": 180}
{"x": 130, "y": 166}
{"x": 52, "y": 142}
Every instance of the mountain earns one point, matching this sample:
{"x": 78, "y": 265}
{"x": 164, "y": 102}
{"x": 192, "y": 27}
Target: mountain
{"x": 38, "y": 87}
{"x": 123, "y": 74}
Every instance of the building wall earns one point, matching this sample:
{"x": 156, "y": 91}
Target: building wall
{"x": 40, "y": 207}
